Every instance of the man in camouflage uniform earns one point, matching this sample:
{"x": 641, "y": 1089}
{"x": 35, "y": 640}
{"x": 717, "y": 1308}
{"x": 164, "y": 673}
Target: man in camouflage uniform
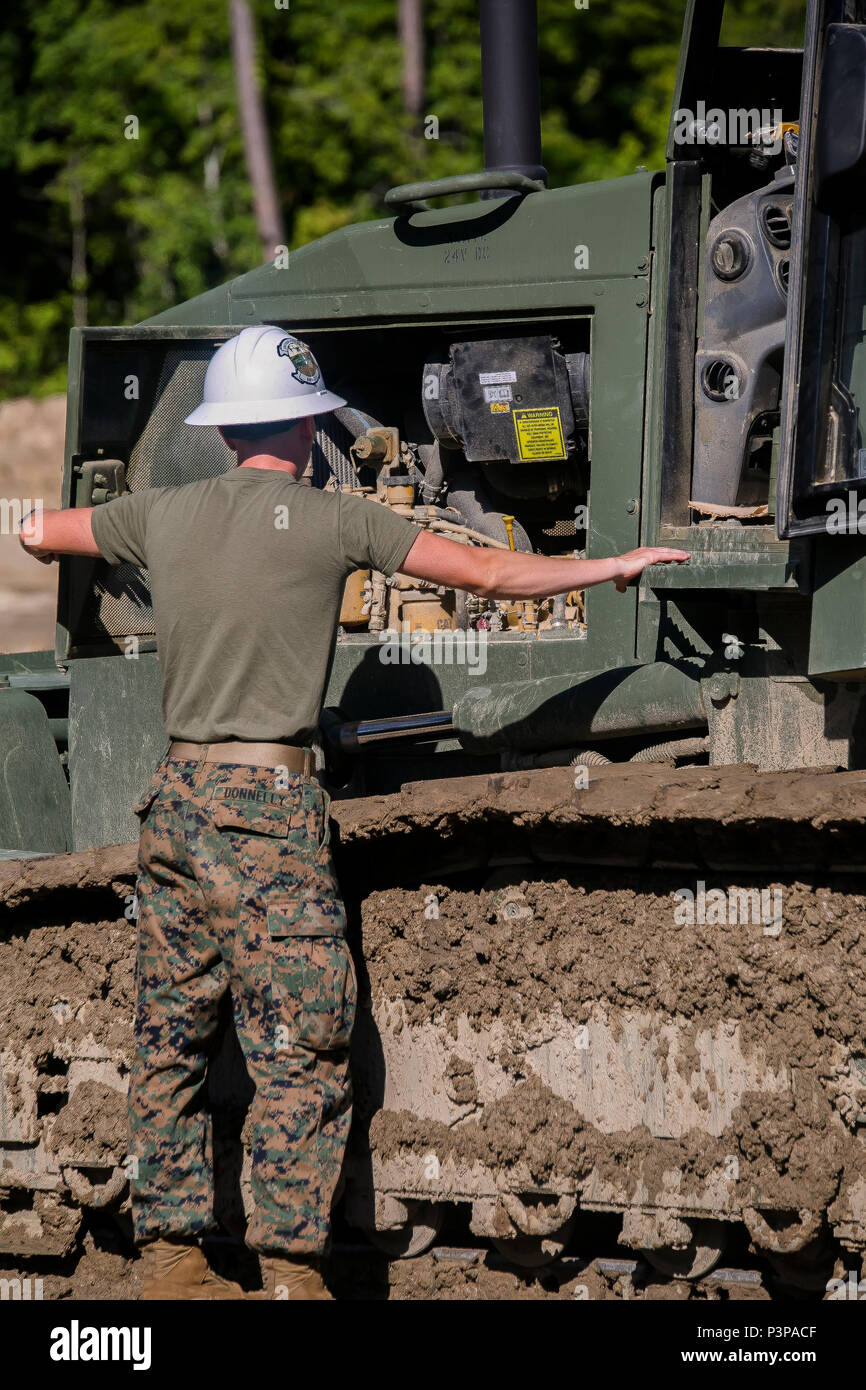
{"x": 237, "y": 889}
{"x": 236, "y": 885}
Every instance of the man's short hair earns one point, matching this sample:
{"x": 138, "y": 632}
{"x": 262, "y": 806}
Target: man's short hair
{"x": 250, "y": 433}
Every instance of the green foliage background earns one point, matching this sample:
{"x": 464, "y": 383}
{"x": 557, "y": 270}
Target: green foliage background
{"x": 158, "y": 231}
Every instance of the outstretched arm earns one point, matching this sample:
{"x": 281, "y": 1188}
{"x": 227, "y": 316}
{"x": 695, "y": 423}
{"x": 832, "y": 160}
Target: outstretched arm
{"x": 513, "y": 574}
{"x": 46, "y": 535}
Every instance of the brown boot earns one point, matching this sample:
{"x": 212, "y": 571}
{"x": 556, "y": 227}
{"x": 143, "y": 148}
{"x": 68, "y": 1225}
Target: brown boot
{"x": 291, "y": 1277}
{"x": 176, "y": 1269}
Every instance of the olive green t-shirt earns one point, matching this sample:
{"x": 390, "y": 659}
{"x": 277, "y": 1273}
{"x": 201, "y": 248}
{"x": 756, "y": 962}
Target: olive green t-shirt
{"x": 247, "y": 573}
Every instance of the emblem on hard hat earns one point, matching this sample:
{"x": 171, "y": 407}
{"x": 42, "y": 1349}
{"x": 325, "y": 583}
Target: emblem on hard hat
{"x": 305, "y": 368}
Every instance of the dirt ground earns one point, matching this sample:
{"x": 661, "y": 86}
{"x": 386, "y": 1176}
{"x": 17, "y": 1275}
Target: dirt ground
{"x": 31, "y": 465}
{"x": 449, "y": 1274}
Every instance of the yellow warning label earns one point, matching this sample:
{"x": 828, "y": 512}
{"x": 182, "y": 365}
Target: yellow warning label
{"x": 539, "y": 434}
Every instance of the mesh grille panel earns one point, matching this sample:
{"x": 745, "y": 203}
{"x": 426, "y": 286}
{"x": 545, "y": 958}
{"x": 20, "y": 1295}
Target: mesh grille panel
{"x": 564, "y": 527}
{"x": 331, "y": 452}
{"x": 120, "y": 604}
{"x": 167, "y": 453}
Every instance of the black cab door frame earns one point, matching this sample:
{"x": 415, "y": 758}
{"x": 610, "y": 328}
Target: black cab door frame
{"x": 822, "y": 459}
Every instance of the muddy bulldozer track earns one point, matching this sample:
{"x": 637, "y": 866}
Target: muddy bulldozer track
{"x": 612, "y": 1043}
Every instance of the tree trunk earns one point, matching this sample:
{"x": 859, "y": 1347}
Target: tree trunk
{"x": 212, "y": 166}
{"x": 257, "y": 147}
{"x": 78, "y": 257}
{"x": 411, "y": 23}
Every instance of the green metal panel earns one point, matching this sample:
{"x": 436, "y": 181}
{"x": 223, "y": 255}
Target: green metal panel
{"x": 655, "y": 384}
{"x": 116, "y": 739}
{"x": 619, "y": 342}
{"x": 560, "y": 712}
{"x": 731, "y": 558}
{"x": 478, "y": 258}
{"x": 23, "y": 662}
{"x": 363, "y": 686}
{"x": 837, "y": 640}
{"x": 34, "y": 796}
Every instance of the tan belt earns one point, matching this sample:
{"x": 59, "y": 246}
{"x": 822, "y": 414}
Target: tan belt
{"x": 287, "y": 755}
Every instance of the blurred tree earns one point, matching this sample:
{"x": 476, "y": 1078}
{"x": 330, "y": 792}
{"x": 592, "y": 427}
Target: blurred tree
{"x": 124, "y": 169}
{"x": 257, "y": 144}
{"x": 411, "y": 30}
{"x": 122, "y": 160}
{"x": 748, "y": 23}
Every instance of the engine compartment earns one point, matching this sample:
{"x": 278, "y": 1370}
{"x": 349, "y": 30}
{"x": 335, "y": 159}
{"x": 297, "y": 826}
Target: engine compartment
{"x": 503, "y": 462}
{"x": 498, "y": 456}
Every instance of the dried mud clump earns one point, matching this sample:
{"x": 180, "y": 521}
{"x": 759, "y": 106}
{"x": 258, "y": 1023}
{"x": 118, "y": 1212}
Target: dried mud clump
{"x": 516, "y": 953}
{"x": 794, "y": 1152}
{"x": 62, "y": 987}
{"x": 93, "y": 1122}
{"x": 530, "y": 1127}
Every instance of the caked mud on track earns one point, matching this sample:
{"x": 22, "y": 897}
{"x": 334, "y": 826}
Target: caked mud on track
{"x": 639, "y": 1002}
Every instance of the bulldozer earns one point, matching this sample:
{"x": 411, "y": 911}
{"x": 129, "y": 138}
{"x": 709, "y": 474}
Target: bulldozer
{"x": 602, "y": 853}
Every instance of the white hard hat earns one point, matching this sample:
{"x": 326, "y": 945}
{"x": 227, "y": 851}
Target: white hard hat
{"x": 262, "y": 374}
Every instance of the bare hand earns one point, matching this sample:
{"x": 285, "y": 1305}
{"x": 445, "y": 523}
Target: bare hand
{"x": 46, "y": 558}
{"x": 634, "y": 562}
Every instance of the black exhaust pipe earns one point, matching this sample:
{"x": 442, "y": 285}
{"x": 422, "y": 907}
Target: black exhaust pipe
{"x": 509, "y": 85}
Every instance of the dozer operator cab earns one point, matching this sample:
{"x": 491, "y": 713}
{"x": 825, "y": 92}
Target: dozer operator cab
{"x": 822, "y": 476}
{"x": 763, "y": 347}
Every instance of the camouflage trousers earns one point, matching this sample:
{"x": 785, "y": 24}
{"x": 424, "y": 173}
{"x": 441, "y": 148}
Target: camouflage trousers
{"x": 236, "y": 891}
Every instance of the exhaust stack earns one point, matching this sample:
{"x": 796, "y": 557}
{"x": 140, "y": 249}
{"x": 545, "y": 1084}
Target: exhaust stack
{"x": 510, "y": 89}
